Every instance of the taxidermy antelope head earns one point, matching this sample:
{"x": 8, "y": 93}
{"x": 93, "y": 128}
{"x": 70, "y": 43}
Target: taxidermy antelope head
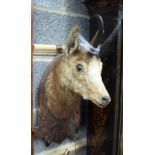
{"x": 83, "y": 66}
{"x": 82, "y": 70}
{"x": 75, "y": 73}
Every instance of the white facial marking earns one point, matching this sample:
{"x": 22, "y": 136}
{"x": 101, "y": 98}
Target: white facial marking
{"x": 94, "y": 75}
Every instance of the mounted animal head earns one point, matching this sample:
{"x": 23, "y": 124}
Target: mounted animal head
{"x": 82, "y": 69}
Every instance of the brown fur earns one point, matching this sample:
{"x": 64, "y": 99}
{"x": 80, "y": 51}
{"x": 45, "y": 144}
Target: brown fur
{"x": 59, "y": 108}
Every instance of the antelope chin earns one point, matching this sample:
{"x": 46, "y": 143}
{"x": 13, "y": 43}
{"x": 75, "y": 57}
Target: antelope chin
{"x": 99, "y": 105}
{"x": 102, "y": 106}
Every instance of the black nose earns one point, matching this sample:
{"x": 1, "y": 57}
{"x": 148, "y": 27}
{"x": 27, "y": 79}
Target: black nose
{"x": 106, "y": 99}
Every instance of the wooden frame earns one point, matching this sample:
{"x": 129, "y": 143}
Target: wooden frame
{"x": 44, "y": 49}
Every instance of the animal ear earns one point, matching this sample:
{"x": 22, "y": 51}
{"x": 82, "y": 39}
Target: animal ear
{"x": 72, "y": 42}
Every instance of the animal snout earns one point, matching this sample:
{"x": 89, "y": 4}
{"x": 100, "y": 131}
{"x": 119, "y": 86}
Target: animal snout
{"x": 105, "y": 100}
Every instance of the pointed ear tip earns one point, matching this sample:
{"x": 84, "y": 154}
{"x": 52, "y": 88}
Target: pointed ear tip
{"x": 76, "y": 28}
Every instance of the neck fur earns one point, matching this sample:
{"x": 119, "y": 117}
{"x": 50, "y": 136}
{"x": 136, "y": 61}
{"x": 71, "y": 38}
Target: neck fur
{"x": 60, "y": 100}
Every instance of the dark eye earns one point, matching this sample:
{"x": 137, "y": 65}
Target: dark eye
{"x": 79, "y": 67}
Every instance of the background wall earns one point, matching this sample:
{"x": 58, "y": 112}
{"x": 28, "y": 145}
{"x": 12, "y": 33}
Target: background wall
{"x": 52, "y": 21}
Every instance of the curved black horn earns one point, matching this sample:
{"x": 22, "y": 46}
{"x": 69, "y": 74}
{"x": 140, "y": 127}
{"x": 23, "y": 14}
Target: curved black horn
{"x": 110, "y": 38}
{"x": 97, "y": 22}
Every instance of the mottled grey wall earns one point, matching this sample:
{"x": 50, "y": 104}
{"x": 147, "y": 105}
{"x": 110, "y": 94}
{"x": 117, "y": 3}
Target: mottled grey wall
{"x": 52, "y": 21}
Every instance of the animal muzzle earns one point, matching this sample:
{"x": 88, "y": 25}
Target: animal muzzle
{"x": 105, "y": 100}
{"x": 100, "y": 100}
